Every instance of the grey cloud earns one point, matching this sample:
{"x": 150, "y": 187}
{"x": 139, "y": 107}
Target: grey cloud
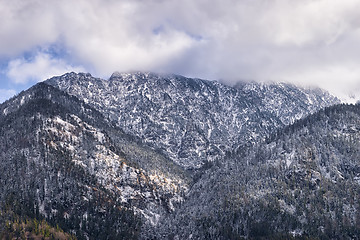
{"x": 298, "y": 41}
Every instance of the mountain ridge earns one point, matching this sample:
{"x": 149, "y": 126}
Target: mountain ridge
{"x": 197, "y": 120}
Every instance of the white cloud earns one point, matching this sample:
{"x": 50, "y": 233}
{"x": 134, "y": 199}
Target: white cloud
{"x": 6, "y": 94}
{"x": 108, "y": 35}
{"x": 41, "y": 67}
{"x": 226, "y": 39}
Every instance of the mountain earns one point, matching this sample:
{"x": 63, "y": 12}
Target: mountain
{"x": 147, "y": 156}
{"x": 193, "y": 121}
{"x": 301, "y": 183}
{"x": 63, "y": 161}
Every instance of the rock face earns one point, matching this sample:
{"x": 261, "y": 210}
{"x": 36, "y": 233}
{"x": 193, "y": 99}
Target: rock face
{"x": 193, "y": 121}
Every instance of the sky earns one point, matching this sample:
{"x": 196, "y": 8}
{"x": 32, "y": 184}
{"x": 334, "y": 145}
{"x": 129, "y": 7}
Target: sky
{"x": 307, "y": 42}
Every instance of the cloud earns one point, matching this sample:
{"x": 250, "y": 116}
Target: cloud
{"x": 106, "y": 35}
{"x": 298, "y": 41}
{"x": 6, "y": 94}
{"x": 38, "y": 68}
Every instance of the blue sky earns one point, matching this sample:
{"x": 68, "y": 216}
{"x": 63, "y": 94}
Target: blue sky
{"x": 308, "y": 42}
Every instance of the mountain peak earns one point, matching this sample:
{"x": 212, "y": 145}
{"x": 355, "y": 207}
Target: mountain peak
{"x": 77, "y": 75}
{"x": 135, "y": 74}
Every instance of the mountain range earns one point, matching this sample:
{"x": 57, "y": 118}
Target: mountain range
{"x": 151, "y": 156}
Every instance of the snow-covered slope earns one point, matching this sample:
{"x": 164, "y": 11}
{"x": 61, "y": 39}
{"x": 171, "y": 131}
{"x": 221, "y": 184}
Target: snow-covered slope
{"x": 62, "y": 160}
{"x": 192, "y": 120}
{"x": 302, "y": 183}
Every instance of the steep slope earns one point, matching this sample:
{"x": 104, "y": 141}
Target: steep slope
{"x": 302, "y": 182}
{"x": 62, "y": 160}
{"x": 193, "y": 121}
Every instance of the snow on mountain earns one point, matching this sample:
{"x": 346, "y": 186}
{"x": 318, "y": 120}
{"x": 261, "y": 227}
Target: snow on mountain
{"x": 193, "y": 121}
{"x": 303, "y": 182}
{"x": 150, "y": 156}
{"x": 62, "y": 160}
